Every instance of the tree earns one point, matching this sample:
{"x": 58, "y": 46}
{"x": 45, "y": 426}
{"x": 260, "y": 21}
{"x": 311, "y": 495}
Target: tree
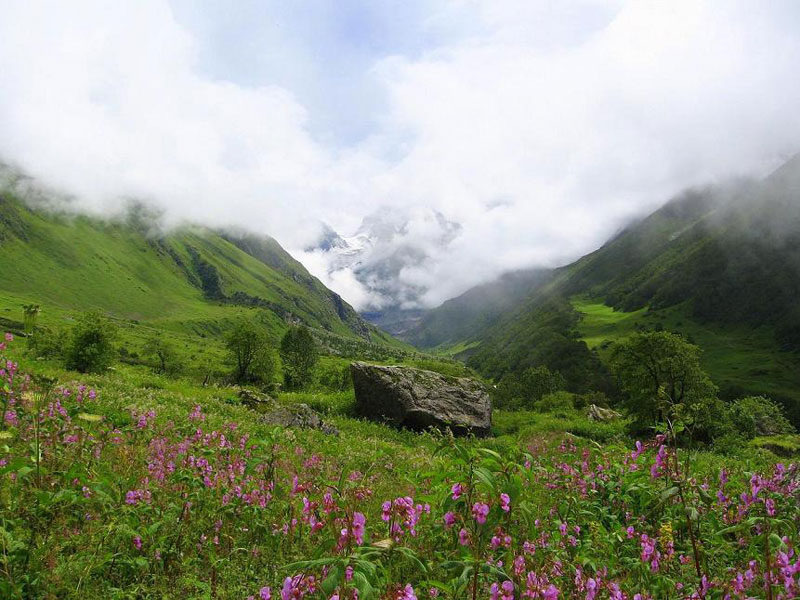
{"x": 250, "y": 352}
{"x": 164, "y": 352}
{"x": 523, "y": 391}
{"x": 661, "y": 376}
{"x": 299, "y": 355}
{"x": 91, "y": 345}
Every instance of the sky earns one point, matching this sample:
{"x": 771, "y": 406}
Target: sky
{"x": 540, "y": 127}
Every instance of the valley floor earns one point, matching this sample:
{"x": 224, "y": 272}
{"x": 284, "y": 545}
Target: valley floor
{"x": 130, "y": 485}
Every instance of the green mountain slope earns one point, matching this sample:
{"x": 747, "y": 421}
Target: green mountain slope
{"x": 465, "y": 317}
{"x": 720, "y": 265}
{"x": 187, "y": 279}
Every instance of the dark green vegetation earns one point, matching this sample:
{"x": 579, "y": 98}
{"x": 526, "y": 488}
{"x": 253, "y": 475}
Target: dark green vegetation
{"x": 720, "y": 266}
{"x": 299, "y": 356}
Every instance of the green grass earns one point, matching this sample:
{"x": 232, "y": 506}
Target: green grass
{"x": 81, "y": 263}
{"x": 736, "y": 357}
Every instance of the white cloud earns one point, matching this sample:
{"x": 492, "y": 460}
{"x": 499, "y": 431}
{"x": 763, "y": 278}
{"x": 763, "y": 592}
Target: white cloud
{"x": 540, "y": 128}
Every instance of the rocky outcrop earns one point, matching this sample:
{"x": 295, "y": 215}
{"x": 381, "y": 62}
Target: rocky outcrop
{"x": 417, "y": 399}
{"x": 600, "y": 414}
{"x": 298, "y": 415}
{"x": 255, "y": 400}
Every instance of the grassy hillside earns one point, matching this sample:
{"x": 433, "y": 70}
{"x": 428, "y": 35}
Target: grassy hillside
{"x": 479, "y": 308}
{"x": 740, "y": 358}
{"x": 189, "y": 280}
{"x": 719, "y": 265}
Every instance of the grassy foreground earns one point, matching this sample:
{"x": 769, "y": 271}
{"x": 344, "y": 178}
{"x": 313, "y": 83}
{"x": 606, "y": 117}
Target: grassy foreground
{"x": 130, "y": 485}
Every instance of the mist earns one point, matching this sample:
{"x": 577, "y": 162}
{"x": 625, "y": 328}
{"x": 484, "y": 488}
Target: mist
{"x": 538, "y": 129}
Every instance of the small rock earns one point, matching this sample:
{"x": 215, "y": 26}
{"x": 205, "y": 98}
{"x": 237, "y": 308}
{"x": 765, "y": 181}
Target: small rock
{"x": 597, "y": 413}
{"x": 255, "y": 400}
{"x": 297, "y": 415}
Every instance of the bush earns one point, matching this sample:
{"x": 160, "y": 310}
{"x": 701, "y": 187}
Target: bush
{"x": 521, "y": 392}
{"x": 334, "y": 377}
{"x": 46, "y": 343}
{"x": 755, "y": 416}
{"x": 299, "y": 355}
{"x": 91, "y": 344}
{"x": 596, "y": 398}
{"x": 167, "y": 359}
{"x": 557, "y": 401}
{"x": 250, "y": 352}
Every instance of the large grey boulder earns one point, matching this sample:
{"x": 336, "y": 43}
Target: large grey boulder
{"x": 417, "y": 399}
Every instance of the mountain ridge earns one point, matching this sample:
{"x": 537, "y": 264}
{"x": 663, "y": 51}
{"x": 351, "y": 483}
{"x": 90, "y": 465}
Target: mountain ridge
{"x": 131, "y": 268}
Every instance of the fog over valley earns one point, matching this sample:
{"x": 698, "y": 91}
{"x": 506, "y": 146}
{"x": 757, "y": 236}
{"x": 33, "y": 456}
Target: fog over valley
{"x": 437, "y": 144}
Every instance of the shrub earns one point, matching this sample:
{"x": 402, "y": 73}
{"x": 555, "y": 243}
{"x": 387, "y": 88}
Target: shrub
{"x": 164, "y": 353}
{"x": 91, "y": 347}
{"x": 515, "y": 392}
{"x": 557, "y": 401}
{"x": 47, "y": 343}
{"x": 250, "y": 352}
{"x": 334, "y": 377}
{"x": 755, "y": 416}
{"x": 299, "y": 355}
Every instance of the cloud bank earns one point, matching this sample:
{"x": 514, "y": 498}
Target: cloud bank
{"x": 539, "y": 127}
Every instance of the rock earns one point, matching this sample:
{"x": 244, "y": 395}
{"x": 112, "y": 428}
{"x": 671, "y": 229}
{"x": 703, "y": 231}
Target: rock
{"x": 298, "y": 415}
{"x": 597, "y": 413}
{"x": 417, "y": 399}
{"x": 255, "y": 400}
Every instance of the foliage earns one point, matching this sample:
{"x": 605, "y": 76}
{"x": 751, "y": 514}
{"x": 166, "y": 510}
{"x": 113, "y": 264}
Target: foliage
{"x": 164, "y": 352}
{"x": 661, "y": 376}
{"x": 91, "y": 348}
{"x": 556, "y": 401}
{"x": 299, "y": 355}
{"x": 44, "y": 342}
{"x": 754, "y": 416}
{"x": 547, "y": 336}
{"x": 522, "y": 391}
{"x": 250, "y": 352}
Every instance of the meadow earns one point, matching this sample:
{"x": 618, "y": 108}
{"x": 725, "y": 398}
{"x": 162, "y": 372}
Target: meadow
{"x": 131, "y": 484}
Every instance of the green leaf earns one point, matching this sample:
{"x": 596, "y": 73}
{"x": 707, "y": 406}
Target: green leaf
{"x": 486, "y": 477}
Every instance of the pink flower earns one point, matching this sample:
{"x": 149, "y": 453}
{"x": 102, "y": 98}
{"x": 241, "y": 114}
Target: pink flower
{"x": 265, "y": 593}
{"x": 449, "y": 519}
{"x": 358, "y": 527}
{"x": 137, "y": 542}
{"x": 505, "y": 502}
{"x": 457, "y": 490}
{"x": 551, "y": 593}
{"x": 463, "y": 537}
{"x": 9, "y": 337}
{"x": 480, "y": 511}
{"x": 386, "y": 511}
{"x": 407, "y": 593}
